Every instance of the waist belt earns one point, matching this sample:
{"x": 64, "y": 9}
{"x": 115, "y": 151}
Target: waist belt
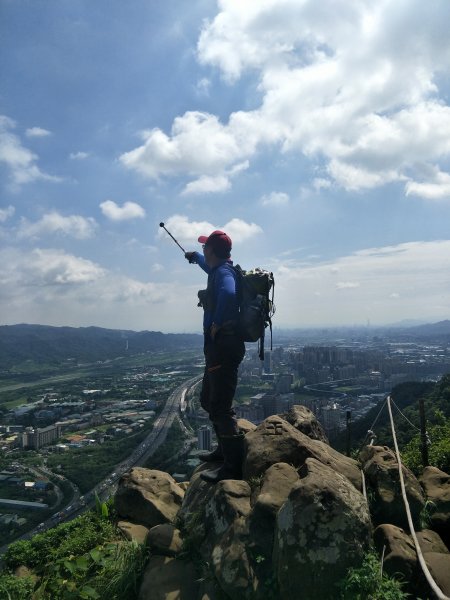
{"x": 228, "y": 328}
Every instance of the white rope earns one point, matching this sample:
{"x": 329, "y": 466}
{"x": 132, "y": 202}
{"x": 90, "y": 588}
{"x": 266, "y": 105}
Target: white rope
{"x": 363, "y": 484}
{"x": 440, "y": 595}
{"x": 378, "y": 416}
{"x": 370, "y": 431}
{"x": 405, "y": 417}
{"x": 382, "y": 562}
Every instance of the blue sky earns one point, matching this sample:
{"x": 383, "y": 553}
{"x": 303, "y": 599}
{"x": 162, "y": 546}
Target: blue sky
{"x": 316, "y": 134}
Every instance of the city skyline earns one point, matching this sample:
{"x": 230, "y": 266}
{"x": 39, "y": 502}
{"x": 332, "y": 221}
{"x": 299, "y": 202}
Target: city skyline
{"x": 316, "y": 136}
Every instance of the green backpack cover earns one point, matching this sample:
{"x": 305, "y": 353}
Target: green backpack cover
{"x": 256, "y": 307}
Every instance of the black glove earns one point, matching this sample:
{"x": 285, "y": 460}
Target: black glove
{"x": 190, "y": 256}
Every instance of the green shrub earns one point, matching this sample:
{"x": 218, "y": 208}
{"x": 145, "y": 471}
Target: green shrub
{"x": 438, "y": 451}
{"x": 86, "y": 558}
{"x": 76, "y": 537}
{"x": 111, "y": 571}
{"x": 367, "y": 583}
{"x": 15, "y": 588}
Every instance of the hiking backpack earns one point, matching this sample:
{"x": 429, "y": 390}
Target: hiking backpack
{"x": 256, "y": 307}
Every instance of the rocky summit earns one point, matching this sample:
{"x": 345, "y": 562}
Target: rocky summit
{"x": 293, "y": 528}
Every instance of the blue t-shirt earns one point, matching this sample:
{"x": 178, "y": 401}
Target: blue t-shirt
{"x": 224, "y": 293}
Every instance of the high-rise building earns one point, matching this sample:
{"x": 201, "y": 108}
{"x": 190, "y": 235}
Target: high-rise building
{"x": 330, "y": 417}
{"x": 37, "y": 438}
{"x": 204, "y": 437}
{"x": 283, "y": 383}
{"x": 268, "y": 362}
{"x": 251, "y": 412}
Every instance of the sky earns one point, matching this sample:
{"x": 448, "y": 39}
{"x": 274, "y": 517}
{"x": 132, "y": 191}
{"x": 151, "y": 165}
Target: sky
{"x": 316, "y": 134}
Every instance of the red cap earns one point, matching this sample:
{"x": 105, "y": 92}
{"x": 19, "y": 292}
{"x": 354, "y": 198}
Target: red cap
{"x": 219, "y": 241}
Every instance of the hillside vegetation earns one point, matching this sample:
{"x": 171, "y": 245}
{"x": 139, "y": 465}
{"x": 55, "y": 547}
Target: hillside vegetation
{"x": 406, "y": 397}
{"x": 55, "y": 345}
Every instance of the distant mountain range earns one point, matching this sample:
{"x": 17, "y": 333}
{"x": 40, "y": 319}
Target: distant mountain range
{"x": 440, "y": 328}
{"x": 54, "y": 345}
{"x": 44, "y": 344}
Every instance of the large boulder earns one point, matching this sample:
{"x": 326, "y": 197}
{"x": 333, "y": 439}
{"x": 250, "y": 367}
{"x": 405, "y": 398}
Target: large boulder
{"x": 277, "y": 483}
{"x": 191, "y": 513}
{"x": 305, "y": 421}
{"x": 213, "y": 520}
{"x": 430, "y": 541}
{"x": 133, "y": 532}
{"x": 400, "y": 559}
{"x": 437, "y": 558}
{"x": 436, "y": 485}
{"x": 169, "y": 579}
{"x": 148, "y": 497}
{"x": 226, "y": 528}
{"x": 439, "y": 567}
{"x": 382, "y": 478}
{"x": 164, "y": 539}
{"x": 245, "y": 426}
{"x": 322, "y": 530}
{"x": 276, "y": 486}
{"x": 275, "y": 440}
{"x": 229, "y": 502}
{"x": 231, "y": 564}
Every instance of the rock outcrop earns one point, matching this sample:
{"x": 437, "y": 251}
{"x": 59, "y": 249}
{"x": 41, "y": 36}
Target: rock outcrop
{"x": 322, "y": 530}
{"x": 306, "y": 422}
{"x": 164, "y": 540}
{"x": 276, "y": 486}
{"x": 400, "y": 559}
{"x": 436, "y": 485}
{"x": 148, "y": 497}
{"x": 382, "y": 478}
{"x": 291, "y": 529}
{"x": 169, "y": 579}
{"x": 276, "y": 440}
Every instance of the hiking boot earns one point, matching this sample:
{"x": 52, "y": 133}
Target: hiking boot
{"x": 214, "y": 456}
{"x": 233, "y": 450}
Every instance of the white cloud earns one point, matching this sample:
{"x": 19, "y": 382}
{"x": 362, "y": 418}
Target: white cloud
{"x": 203, "y": 86}
{"x": 186, "y": 231}
{"x": 129, "y": 210}
{"x": 50, "y": 286}
{"x": 417, "y": 271}
{"x": 37, "y": 132}
{"x": 54, "y": 223}
{"x": 437, "y": 187}
{"x": 78, "y": 155}
{"x": 275, "y": 199}
{"x": 321, "y": 184}
{"x": 42, "y": 268}
{"x": 347, "y": 285}
{"x": 19, "y": 159}
{"x": 207, "y": 185}
{"x": 6, "y": 213}
{"x": 367, "y": 117}
{"x": 157, "y": 268}
{"x": 200, "y": 146}
{"x": 240, "y": 231}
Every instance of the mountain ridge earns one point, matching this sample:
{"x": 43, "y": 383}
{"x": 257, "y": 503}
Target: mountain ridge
{"x": 50, "y": 344}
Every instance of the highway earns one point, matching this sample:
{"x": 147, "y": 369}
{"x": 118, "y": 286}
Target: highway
{"x": 139, "y": 457}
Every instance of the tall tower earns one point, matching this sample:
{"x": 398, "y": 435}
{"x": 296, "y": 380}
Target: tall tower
{"x": 268, "y": 362}
{"x": 204, "y": 438}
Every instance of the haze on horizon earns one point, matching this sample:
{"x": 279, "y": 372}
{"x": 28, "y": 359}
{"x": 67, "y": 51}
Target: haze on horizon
{"x": 316, "y": 135}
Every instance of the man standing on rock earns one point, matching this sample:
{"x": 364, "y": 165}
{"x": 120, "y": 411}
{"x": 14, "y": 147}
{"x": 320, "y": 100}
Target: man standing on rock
{"x": 224, "y": 351}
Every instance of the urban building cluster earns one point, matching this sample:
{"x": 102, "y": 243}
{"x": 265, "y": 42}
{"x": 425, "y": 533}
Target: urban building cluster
{"x": 335, "y": 381}
{"x": 89, "y": 414}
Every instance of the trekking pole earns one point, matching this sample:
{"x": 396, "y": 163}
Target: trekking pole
{"x": 162, "y": 225}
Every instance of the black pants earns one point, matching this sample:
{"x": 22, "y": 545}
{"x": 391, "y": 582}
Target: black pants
{"x": 222, "y": 359}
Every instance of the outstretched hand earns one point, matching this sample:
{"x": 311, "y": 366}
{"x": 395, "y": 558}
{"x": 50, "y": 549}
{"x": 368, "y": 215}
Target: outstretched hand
{"x": 190, "y": 256}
